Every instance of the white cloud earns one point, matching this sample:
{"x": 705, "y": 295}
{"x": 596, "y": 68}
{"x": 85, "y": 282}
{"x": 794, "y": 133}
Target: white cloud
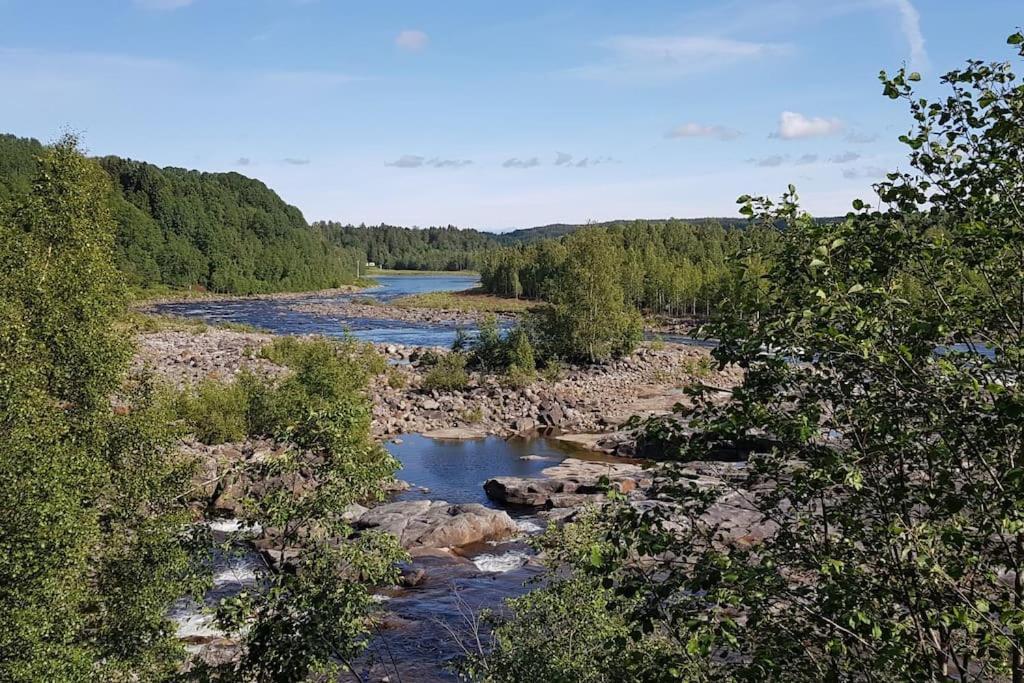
{"x": 806, "y": 159}
{"x": 412, "y": 40}
{"x": 871, "y": 172}
{"x": 661, "y": 58}
{"x": 844, "y": 158}
{"x": 292, "y": 161}
{"x": 793, "y": 126}
{"x": 163, "y": 4}
{"x": 521, "y": 163}
{"x": 697, "y": 130}
{"x": 416, "y": 161}
{"x": 562, "y": 159}
{"x": 910, "y": 25}
{"x": 243, "y": 161}
{"x": 770, "y": 161}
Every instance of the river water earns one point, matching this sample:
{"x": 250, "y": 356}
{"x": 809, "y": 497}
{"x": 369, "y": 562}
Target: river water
{"x": 277, "y": 316}
{"x": 421, "y": 631}
{"x": 422, "y": 627}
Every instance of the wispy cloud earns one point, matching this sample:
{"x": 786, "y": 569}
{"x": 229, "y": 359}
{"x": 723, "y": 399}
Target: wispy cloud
{"x": 562, "y": 159}
{"x": 417, "y": 161}
{"x": 292, "y": 161}
{"x": 806, "y": 159}
{"x": 660, "y": 58}
{"x": 586, "y": 162}
{"x": 870, "y": 172}
{"x": 698, "y": 130}
{"x": 412, "y": 40}
{"x": 794, "y": 126}
{"x": 860, "y": 138}
{"x": 844, "y": 158}
{"x": 521, "y": 163}
{"x": 910, "y": 25}
{"x": 448, "y": 163}
{"x": 770, "y": 161}
{"x": 567, "y": 161}
{"x": 243, "y": 161}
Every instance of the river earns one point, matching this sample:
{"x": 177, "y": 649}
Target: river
{"x": 278, "y": 315}
{"x": 416, "y": 640}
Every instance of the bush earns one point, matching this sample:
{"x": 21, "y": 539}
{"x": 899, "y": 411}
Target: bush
{"x": 552, "y": 371}
{"x": 215, "y": 412}
{"x": 517, "y": 378}
{"x": 492, "y": 351}
{"x": 396, "y": 379}
{"x": 448, "y": 374}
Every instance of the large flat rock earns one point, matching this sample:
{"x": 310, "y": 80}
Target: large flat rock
{"x": 438, "y": 524}
{"x": 571, "y": 483}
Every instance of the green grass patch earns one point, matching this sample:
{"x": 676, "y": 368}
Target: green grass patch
{"x": 470, "y": 300}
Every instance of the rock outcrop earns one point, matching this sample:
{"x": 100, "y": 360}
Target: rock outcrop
{"x": 438, "y": 524}
{"x": 571, "y": 483}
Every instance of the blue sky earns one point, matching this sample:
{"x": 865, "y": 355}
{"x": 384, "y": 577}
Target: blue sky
{"x": 493, "y": 115}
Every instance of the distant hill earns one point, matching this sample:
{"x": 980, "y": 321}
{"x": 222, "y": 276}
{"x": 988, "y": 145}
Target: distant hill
{"x": 218, "y": 231}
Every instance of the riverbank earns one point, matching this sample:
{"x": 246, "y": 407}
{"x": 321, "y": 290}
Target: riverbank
{"x": 144, "y": 300}
{"x": 581, "y": 399}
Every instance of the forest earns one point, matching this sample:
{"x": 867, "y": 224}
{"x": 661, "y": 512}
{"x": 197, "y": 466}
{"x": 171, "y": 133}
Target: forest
{"x": 671, "y": 267}
{"x": 180, "y": 229}
{"x": 399, "y": 248}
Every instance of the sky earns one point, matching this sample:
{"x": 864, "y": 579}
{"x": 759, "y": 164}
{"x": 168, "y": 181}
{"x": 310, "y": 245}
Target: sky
{"x": 494, "y": 115}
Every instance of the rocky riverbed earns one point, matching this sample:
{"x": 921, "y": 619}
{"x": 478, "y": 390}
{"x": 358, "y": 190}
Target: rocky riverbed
{"x": 344, "y": 309}
{"x": 582, "y": 399}
{"x": 452, "y": 542}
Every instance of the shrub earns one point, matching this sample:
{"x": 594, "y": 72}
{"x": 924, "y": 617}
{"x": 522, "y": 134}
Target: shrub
{"x": 448, "y": 374}
{"x": 396, "y": 378}
{"x": 552, "y": 371}
{"x": 215, "y": 412}
{"x": 517, "y": 378}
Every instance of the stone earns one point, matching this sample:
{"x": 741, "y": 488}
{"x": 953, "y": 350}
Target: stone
{"x": 571, "y": 483}
{"x": 410, "y": 577}
{"x": 524, "y": 424}
{"x": 438, "y": 524}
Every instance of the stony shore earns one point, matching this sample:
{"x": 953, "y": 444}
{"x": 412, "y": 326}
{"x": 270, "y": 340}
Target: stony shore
{"x": 275, "y": 296}
{"x": 583, "y": 399}
{"x": 347, "y": 309}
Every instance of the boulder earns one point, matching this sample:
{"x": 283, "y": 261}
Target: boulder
{"x": 571, "y": 483}
{"x": 438, "y": 524}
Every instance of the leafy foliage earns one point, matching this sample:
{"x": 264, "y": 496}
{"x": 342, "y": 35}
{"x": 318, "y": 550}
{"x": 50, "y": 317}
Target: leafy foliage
{"x": 883, "y": 356}
{"x": 94, "y": 543}
{"x": 396, "y": 248}
{"x": 587, "y": 317}
{"x": 218, "y": 231}
{"x": 312, "y": 618}
{"x": 448, "y": 373}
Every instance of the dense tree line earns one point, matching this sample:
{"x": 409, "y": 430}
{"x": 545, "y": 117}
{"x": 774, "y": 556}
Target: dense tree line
{"x": 671, "y": 267}
{"x": 389, "y": 246}
{"x": 185, "y": 229}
